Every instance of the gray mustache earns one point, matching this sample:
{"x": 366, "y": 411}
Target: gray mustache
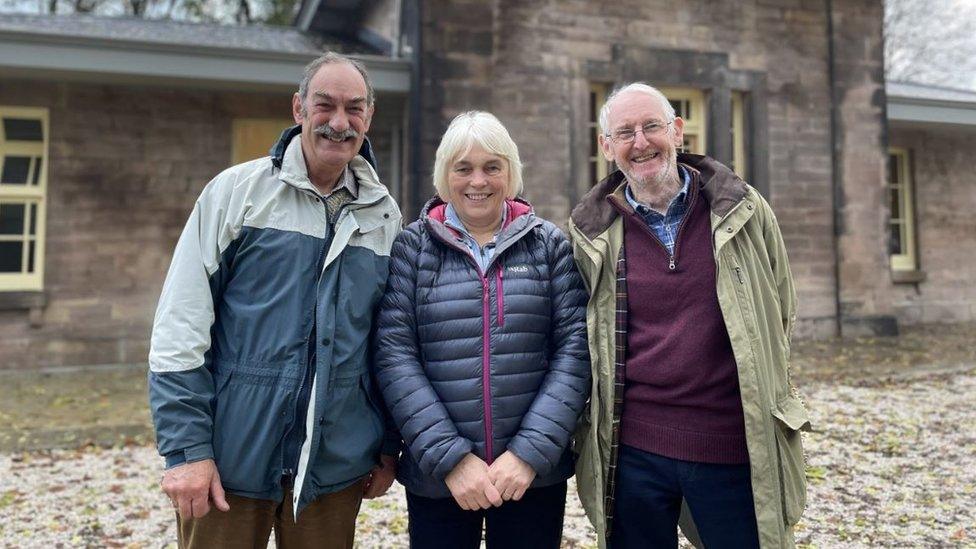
{"x": 326, "y": 130}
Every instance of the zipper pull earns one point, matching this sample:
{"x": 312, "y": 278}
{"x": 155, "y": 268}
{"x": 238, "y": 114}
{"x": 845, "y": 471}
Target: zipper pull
{"x": 671, "y": 264}
{"x": 738, "y": 274}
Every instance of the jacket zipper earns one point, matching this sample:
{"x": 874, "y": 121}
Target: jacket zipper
{"x": 308, "y": 366}
{"x": 500, "y": 293}
{"x": 486, "y": 364}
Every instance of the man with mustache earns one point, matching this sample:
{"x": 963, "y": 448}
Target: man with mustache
{"x": 259, "y": 386}
{"x": 689, "y": 319}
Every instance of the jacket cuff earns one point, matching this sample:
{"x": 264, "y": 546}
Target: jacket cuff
{"x": 198, "y": 452}
{"x": 457, "y": 452}
{"x": 524, "y": 450}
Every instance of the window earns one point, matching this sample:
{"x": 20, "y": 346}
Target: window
{"x": 739, "y": 163}
{"x": 253, "y": 137}
{"x": 599, "y": 166}
{"x": 901, "y": 225}
{"x": 689, "y": 104}
{"x": 23, "y": 187}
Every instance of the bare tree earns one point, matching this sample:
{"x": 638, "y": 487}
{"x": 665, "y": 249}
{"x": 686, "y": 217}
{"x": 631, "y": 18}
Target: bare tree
{"x": 930, "y": 41}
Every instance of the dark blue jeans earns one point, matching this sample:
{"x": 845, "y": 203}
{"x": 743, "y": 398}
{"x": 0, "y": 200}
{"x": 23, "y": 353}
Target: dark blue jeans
{"x": 649, "y": 491}
{"x": 534, "y": 522}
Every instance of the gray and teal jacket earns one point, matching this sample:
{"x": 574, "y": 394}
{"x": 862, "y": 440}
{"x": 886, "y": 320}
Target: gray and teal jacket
{"x": 258, "y": 266}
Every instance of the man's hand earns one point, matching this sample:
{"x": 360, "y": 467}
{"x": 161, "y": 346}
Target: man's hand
{"x": 511, "y": 476}
{"x": 193, "y": 486}
{"x": 380, "y": 478}
{"x": 470, "y": 485}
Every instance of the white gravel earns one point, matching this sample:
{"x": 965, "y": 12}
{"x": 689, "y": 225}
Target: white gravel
{"x": 889, "y": 466}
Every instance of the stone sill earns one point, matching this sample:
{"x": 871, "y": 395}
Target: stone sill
{"x": 907, "y": 277}
{"x": 25, "y": 301}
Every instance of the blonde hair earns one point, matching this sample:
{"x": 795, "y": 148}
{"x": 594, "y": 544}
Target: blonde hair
{"x": 487, "y": 131}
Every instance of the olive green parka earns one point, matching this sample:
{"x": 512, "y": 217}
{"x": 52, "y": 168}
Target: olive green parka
{"x": 758, "y": 302}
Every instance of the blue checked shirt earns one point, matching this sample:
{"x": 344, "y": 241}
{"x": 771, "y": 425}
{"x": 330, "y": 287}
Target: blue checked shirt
{"x": 482, "y": 254}
{"x": 665, "y": 227}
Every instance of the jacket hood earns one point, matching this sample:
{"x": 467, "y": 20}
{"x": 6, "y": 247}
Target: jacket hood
{"x": 277, "y": 151}
{"x": 295, "y": 173}
{"x": 720, "y": 186}
{"x": 519, "y": 221}
{"x": 436, "y": 209}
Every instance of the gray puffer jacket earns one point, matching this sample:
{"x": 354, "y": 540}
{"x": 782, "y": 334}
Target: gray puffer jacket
{"x": 482, "y": 362}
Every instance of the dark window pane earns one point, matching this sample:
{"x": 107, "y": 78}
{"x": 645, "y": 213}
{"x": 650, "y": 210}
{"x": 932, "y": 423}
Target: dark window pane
{"x": 38, "y": 163}
{"x": 892, "y": 168}
{"x": 12, "y": 218}
{"x": 22, "y": 129}
{"x": 15, "y": 170}
{"x": 30, "y": 256}
{"x": 33, "y": 220}
{"x": 688, "y": 113}
{"x": 677, "y": 108}
{"x": 10, "y": 256}
{"x": 894, "y": 240}
{"x": 894, "y": 203}
{"x": 594, "y": 115}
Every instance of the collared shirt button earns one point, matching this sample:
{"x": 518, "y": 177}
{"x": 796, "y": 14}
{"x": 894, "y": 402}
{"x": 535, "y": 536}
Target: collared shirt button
{"x": 326, "y": 341}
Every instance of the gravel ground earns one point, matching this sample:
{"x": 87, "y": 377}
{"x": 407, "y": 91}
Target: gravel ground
{"x": 891, "y": 464}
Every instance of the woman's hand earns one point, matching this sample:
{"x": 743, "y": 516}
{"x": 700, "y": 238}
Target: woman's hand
{"x": 511, "y": 476}
{"x": 470, "y": 485}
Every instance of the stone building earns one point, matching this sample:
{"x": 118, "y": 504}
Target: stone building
{"x": 112, "y": 126}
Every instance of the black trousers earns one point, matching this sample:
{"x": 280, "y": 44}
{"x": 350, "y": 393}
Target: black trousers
{"x": 649, "y": 491}
{"x": 534, "y": 522}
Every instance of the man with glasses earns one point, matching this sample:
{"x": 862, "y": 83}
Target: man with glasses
{"x": 690, "y": 313}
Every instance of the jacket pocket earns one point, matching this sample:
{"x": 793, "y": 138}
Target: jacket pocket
{"x": 791, "y": 418}
{"x": 248, "y": 423}
{"x": 350, "y": 433}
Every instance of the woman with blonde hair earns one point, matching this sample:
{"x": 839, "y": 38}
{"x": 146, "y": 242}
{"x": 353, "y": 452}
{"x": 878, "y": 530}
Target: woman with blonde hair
{"x": 481, "y": 352}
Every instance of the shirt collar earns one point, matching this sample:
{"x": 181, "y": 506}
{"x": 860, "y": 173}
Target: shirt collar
{"x": 452, "y": 220}
{"x": 678, "y": 198}
{"x": 347, "y": 181}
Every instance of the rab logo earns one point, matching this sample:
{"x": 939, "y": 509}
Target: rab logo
{"x": 518, "y": 268}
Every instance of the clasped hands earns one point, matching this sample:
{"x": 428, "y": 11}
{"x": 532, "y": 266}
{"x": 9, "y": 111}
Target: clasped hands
{"x": 476, "y": 485}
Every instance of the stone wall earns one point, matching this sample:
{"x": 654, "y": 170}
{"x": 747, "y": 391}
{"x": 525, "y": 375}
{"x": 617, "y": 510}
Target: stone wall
{"x": 531, "y": 62}
{"x": 126, "y": 165}
{"x": 945, "y": 199}
{"x": 864, "y": 291}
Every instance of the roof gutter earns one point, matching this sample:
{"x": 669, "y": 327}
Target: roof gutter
{"x": 101, "y": 60}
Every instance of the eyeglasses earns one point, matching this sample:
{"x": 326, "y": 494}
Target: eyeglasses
{"x": 627, "y": 135}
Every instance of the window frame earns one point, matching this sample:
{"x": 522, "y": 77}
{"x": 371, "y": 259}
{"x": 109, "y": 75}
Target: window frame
{"x": 695, "y": 125}
{"x": 598, "y": 167}
{"x": 907, "y": 261}
{"x": 740, "y": 162}
{"x": 27, "y": 194}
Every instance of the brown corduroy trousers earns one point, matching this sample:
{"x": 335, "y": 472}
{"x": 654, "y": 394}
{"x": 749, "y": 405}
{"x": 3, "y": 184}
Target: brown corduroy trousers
{"x": 327, "y": 523}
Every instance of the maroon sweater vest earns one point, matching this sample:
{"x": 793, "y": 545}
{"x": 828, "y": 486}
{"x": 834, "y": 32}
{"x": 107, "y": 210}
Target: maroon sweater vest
{"x": 681, "y": 398}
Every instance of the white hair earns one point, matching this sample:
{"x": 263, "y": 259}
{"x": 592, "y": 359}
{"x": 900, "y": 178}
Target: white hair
{"x": 636, "y": 87}
{"x": 487, "y": 131}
